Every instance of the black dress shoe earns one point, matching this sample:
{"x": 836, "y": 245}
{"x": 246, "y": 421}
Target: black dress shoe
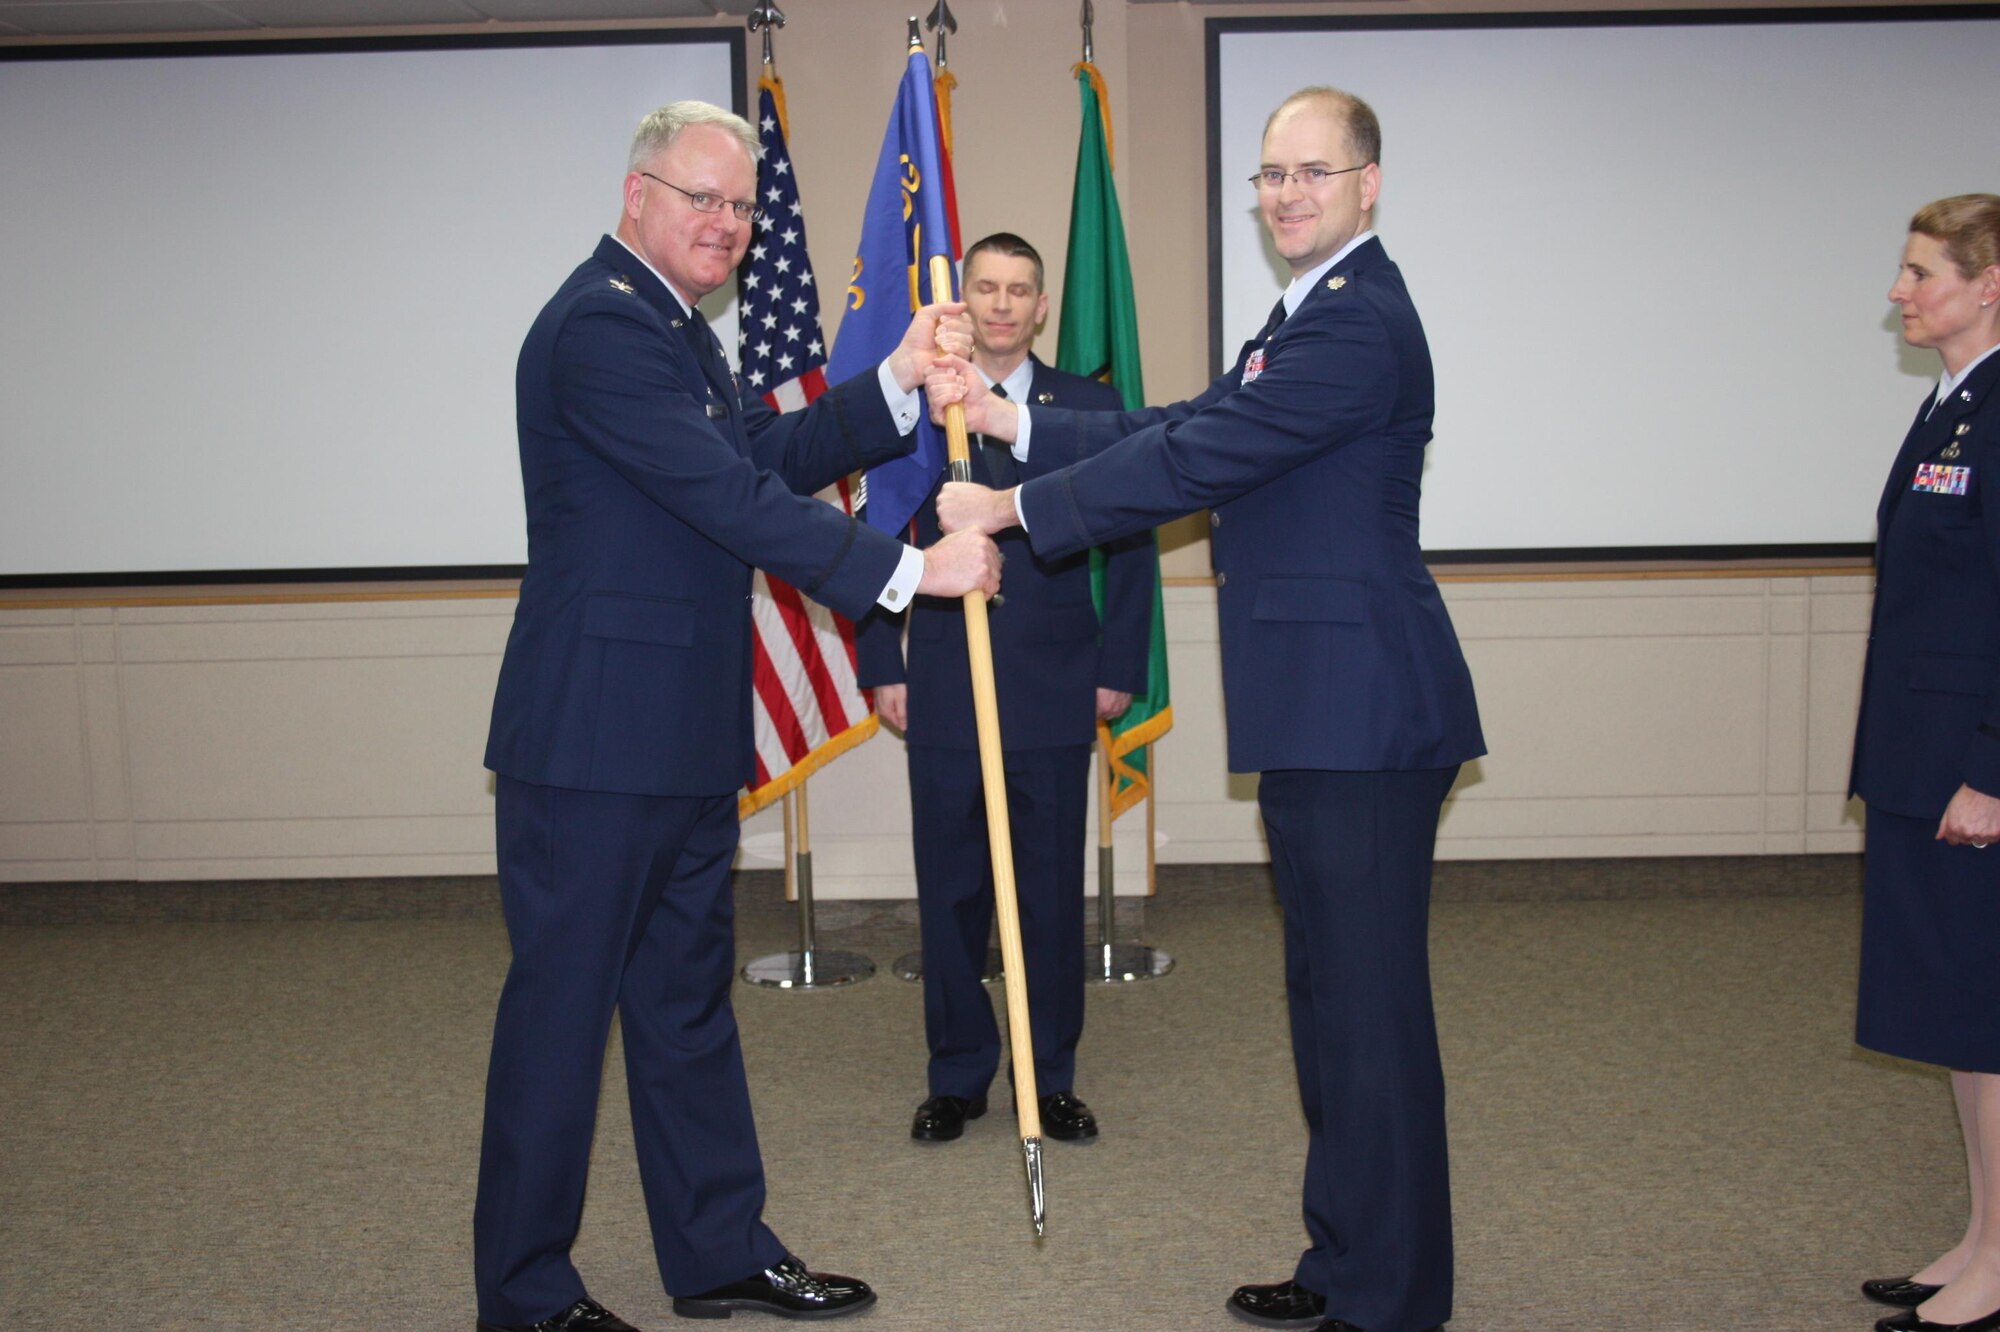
{"x": 942, "y": 1118}
{"x": 1286, "y": 1304}
{"x": 586, "y": 1315}
{"x": 1066, "y": 1119}
{"x": 1901, "y": 1292}
{"x": 1913, "y": 1321}
{"x": 787, "y": 1290}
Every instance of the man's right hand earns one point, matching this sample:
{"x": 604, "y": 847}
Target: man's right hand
{"x": 960, "y": 563}
{"x": 952, "y": 379}
{"x": 892, "y": 704}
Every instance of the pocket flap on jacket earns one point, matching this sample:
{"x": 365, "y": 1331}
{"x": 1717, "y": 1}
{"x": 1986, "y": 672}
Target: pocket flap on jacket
{"x": 1950, "y": 675}
{"x": 1337, "y": 599}
{"x": 643, "y": 619}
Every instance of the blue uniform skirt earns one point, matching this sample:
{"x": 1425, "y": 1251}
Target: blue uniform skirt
{"x": 1930, "y": 947}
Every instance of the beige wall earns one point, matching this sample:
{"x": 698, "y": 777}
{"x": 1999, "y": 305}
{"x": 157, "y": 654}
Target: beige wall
{"x": 342, "y": 737}
{"x": 317, "y": 736}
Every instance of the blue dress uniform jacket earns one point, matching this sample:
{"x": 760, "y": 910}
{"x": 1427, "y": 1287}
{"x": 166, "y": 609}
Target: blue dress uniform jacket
{"x": 1050, "y": 656}
{"x": 1930, "y": 722}
{"x": 1347, "y": 691}
{"x": 621, "y": 734}
{"x": 1050, "y": 653}
{"x": 653, "y": 485}
{"x": 1337, "y": 652}
{"x": 1930, "y": 698}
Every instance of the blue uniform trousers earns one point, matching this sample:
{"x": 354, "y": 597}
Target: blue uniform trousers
{"x": 1047, "y": 791}
{"x": 615, "y": 901}
{"x": 1351, "y": 853}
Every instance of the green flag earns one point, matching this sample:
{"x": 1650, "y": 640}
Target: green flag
{"x": 1100, "y": 338}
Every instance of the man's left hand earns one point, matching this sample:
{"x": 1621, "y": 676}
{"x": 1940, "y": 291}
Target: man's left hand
{"x": 1971, "y": 819}
{"x": 1111, "y": 704}
{"x": 943, "y": 327}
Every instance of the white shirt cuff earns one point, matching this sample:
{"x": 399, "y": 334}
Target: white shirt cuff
{"x": 1019, "y": 517}
{"x": 901, "y": 589}
{"x": 1023, "y": 427}
{"x": 905, "y": 407}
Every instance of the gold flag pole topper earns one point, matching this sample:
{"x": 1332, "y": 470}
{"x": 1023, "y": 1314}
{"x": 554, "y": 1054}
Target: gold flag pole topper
{"x": 999, "y": 835}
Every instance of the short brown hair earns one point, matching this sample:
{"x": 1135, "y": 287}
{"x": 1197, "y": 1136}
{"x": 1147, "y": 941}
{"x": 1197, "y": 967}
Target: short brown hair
{"x": 1968, "y": 226}
{"x": 1005, "y": 243}
{"x": 1364, "y": 131}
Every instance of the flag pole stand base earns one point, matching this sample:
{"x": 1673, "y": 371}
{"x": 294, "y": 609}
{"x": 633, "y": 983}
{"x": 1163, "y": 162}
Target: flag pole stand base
{"x": 1114, "y": 964}
{"x": 910, "y": 966}
{"x": 811, "y": 967}
{"x": 821, "y": 969}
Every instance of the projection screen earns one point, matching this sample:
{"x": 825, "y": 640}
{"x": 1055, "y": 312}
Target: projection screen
{"x": 259, "y": 305}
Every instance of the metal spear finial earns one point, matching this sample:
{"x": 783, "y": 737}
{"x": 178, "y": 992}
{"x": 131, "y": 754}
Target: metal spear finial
{"x": 765, "y": 16}
{"x": 1087, "y": 18}
{"x": 916, "y": 34}
{"x": 940, "y": 21}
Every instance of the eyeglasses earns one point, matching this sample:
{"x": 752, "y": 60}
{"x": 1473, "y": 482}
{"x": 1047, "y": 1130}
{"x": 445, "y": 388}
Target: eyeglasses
{"x": 712, "y": 203}
{"x": 1270, "y": 178}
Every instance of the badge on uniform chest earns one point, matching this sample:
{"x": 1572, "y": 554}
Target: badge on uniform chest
{"x": 1941, "y": 479}
{"x": 1254, "y": 366}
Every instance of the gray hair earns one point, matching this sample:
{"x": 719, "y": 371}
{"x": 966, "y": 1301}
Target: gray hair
{"x": 658, "y": 130}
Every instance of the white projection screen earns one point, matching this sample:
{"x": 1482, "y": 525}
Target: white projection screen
{"x": 260, "y": 305}
{"x": 1651, "y": 253}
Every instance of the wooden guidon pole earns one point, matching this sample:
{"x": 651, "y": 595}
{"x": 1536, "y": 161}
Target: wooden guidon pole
{"x": 999, "y": 834}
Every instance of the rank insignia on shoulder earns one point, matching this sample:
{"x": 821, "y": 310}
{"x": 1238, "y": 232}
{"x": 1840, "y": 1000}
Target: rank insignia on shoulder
{"x": 1335, "y": 283}
{"x": 1045, "y": 397}
{"x": 623, "y": 284}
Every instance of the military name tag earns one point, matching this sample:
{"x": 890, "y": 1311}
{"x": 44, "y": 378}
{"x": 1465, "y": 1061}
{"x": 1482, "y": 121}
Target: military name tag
{"x": 1938, "y": 479}
{"x": 1254, "y": 366}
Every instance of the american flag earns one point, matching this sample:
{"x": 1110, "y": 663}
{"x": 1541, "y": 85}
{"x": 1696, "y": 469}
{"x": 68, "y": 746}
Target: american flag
{"x": 808, "y": 707}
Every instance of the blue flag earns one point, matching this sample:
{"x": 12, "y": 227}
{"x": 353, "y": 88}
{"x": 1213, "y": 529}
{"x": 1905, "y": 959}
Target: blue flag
{"x": 904, "y": 225}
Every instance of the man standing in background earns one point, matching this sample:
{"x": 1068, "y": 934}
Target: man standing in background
{"x": 1058, "y": 671}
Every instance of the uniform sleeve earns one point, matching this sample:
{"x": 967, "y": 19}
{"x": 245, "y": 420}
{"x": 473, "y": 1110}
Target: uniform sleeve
{"x": 1328, "y": 383}
{"x": 1982, "y": 752}
{"x": 623, "y": 392}
{"x": 846, "y": 429}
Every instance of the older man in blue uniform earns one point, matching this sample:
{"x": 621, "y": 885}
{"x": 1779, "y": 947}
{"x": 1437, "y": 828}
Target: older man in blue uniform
{"x": 1344, "y": 682}
{"x": 1058, "y": 669}
{"x": 621, "y": 733}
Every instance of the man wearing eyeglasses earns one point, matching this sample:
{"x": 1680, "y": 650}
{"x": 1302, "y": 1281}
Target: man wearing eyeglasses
{"x": 621, "y": 731}
{"x": 1058, "y": 667}
{"x": 1345, "y": 686}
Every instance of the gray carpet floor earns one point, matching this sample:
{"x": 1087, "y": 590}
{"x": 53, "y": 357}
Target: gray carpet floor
{"x": 257, "y": 1106}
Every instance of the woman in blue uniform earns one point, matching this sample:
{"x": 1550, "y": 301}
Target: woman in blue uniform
{"x": 1927, "y": 749}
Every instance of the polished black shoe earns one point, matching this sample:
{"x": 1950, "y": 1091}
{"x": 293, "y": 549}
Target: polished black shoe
{"x": 585, "y": 1315}
{"x": 942, "y": 1118}
{"x": 1066, "y": 1119}
{"x": 787, "y": 1290}
{"x": 1912, "y": 1321}
{"x": 1286, "y": 1304}
{"x": 1900, "y": 1292}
